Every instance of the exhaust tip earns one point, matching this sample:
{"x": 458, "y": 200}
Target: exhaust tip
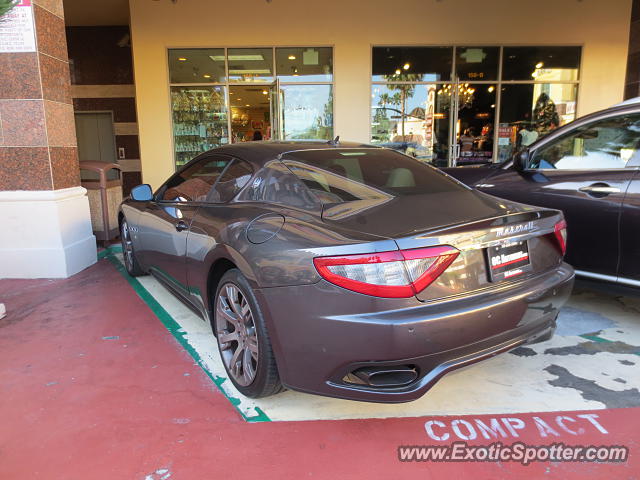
{"x": 389, "y": 376}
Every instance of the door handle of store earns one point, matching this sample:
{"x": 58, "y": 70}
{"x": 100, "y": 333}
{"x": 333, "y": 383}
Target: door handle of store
{"x": 599, "y": 189}
{"x": 180, "y": 226}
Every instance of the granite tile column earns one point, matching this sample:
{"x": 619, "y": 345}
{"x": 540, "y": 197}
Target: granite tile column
{"x": 39, "y": 175}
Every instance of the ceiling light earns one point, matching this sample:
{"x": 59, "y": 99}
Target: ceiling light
{"x": 539, "y": 65}
{"x": 397, "y": 71}
{"x": 265, "y": 92}
{"x": 206, "y": 75}
{"x": 238, "y": 57}
{"x": 247, "y": 105}
{"x": 406, "y": 66}
{"x": 491, "y": 89}
{"x": 182, "y": 59}
{"x": 291, "y": 57}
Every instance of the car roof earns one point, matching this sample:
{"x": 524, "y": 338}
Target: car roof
{"x": 263, "y": 151}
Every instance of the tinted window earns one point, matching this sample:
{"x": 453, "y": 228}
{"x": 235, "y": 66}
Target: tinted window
{"x": 196, "y": 65}
{"x": 412, "y": 64}
{"x": 193, "y": 183}
{"x": 336, "y": 176}
{"x": 274, "y": 183}
{"x": 234, "y": 178}
{"x": 477, "y": 63}
{"x": 605, "y": 144}
{"x": 550, "y": 64}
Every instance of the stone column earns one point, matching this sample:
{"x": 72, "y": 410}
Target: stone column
{"x": 45, "y": 226}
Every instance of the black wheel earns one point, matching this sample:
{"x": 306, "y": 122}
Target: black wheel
{"x": 242, "y": 338}
{"x": 130, "y": 262}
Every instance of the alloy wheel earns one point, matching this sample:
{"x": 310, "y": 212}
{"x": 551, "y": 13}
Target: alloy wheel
{"x": 127, "y": 245}
{"x": 237, "y": 335}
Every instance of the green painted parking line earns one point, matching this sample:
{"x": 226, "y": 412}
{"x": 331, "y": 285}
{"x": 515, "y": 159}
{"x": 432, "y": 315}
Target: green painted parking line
{"x": 174, "y": 328}
{"x": 595, "y": 338}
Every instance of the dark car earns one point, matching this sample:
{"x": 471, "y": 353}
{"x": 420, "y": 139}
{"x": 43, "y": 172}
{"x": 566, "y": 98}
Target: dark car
{"x": 346, "y": 270}
{"x": 589, "y": 169}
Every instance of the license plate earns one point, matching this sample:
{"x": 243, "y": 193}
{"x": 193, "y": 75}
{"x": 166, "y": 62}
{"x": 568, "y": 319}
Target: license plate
{"x": 508, "y": 260}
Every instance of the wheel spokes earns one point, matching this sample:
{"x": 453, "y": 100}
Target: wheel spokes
{"x": 225, "y": 337}
{"x": 237, "y": 334}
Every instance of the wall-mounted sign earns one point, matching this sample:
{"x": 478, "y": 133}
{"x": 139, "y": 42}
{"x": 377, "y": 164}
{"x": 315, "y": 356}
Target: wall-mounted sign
{"x": 17, "y": 33}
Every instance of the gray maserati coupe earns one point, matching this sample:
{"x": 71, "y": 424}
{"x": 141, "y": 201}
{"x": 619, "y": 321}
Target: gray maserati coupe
{"x": 346, "y": 270}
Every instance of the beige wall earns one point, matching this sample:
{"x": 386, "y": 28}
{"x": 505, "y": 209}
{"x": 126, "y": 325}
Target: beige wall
{"x": 352, "y": 27}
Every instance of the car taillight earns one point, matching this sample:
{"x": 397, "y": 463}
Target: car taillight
{"x": 560, "y": 231}
{"x": 397, "y": 274}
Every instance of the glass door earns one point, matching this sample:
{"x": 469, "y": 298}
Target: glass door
{"x": 472, "y": 135}
{"x": 413, "y": 119}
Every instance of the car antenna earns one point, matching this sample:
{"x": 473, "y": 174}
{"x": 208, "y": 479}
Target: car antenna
{"x": 335, "y": 141}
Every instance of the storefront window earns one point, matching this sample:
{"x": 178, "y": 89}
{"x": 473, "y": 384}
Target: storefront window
{"x": 200, "y": 65}
{"x": 477, "y": 63}
{"x": 310, "y": 64}
{"x": 412, "y": 64}
{"x": 530, "y": 111}
{"x": 412, "y": 118}
{"x": 199, "y": 120}
{"x": 463, "y": 87}
{"x": 229, "y": 95}
{"x": 250, "y": 64}
{"x": 307, "y": 111}
{"x": 558, "y": 64}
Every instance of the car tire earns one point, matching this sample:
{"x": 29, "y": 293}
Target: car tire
{"x": 242, "y": 338}
{"x": 128, "y": 253}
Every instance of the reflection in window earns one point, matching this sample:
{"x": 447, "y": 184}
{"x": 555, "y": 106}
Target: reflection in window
{"x": 235, "y": 177}
{"x": 530, "y": 111}
{"x": 477, "y": 63}
{"x": 307, "y": 111}
{"x": 606, "y": 144}
{"x": 307, "y": 64}
{"x": 410, "y": 118}
{"x": 412, "y": 64}
{"x": 546, "y": 64}
{"x": 194, "y": 183}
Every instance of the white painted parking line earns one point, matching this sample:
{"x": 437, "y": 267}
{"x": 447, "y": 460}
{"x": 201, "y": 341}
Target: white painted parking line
{"x": 568, "y": 372}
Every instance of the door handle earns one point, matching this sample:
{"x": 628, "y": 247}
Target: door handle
{"x": 601, "y": 189}
{"x": 180, "y": 226}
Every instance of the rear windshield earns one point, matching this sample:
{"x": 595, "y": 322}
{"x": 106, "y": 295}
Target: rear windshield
{"x": 337, "y": 176}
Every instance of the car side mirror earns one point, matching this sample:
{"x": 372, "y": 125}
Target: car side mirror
{"x": 521, "y": 161}
{"x": 142, "y": 193}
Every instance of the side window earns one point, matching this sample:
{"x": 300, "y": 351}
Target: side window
{"x": 193, "y": 184}
{"x": 234, "y": 178}
{"x": 604, "y": 144}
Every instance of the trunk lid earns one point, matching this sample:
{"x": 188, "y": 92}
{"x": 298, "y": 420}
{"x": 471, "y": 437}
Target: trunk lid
{"x": 478, "y": 225}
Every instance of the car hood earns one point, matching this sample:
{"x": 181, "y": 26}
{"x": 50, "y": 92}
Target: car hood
{"x": 405, "y": 215}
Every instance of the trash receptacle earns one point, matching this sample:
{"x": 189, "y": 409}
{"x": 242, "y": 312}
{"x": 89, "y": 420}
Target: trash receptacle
{"x": 105, "y": 195}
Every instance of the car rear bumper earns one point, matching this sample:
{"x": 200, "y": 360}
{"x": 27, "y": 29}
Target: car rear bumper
{"x": 321, "y": 333}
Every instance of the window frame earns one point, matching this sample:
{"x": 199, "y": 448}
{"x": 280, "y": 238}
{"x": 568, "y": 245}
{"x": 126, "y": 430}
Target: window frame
{"x": 228, "y": 83}
{"x": 499, "y": 82}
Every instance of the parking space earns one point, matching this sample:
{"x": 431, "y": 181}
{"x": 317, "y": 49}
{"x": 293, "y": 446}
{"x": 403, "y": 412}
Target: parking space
{"x": 591, "y": 363}
{"x": 95, "y": 387}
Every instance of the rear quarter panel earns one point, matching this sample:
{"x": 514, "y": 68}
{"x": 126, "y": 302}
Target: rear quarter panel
{"x": 220, "y": 233}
